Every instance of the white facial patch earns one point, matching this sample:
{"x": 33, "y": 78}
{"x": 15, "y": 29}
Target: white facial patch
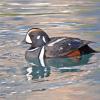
{"x": 44, "y": 39}
{"x": 38, "y": 37}
{"x": 28, "y": 39}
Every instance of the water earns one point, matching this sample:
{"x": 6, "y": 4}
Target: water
{"x": 61, "y": 79}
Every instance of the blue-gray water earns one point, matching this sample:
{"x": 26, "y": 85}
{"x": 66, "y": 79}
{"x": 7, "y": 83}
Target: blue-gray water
{"x": 22, "y": 80}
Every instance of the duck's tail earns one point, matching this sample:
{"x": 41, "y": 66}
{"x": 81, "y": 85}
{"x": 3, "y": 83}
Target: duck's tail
{"x": 86, "y": 50}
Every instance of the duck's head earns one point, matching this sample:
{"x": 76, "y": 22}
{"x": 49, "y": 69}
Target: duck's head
{"x": 36, "y": 37}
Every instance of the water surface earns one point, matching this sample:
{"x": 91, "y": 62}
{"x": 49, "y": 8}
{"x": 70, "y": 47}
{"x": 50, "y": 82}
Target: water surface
{"x": 61, "y": 79}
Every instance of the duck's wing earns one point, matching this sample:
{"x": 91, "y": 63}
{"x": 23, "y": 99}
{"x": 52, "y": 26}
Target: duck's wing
{"x": 61, "y": 46}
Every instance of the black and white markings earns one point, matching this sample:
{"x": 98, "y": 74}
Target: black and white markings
{"x": 58, "y": 40}
{"x": 28, "y": 39}
{"x": 44, "y": 40}
{"x": 41, "y": 56}
{"x": 38, "y": 37}
{"x": 33, "y": 49}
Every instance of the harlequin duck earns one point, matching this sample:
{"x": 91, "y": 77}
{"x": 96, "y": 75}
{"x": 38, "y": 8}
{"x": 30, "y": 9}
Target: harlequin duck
{"x": 44, "y": 47}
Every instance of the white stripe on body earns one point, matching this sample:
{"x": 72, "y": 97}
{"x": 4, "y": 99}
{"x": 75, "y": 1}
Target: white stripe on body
{"x": 41, "y": 57}
{"x": 51, "y": 44}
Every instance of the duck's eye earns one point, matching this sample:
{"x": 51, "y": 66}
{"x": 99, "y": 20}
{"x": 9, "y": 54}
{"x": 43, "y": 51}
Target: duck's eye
{"x": 28, "y": 39}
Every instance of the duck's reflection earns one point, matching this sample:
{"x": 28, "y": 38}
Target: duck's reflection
{"x": 35, "y": 70}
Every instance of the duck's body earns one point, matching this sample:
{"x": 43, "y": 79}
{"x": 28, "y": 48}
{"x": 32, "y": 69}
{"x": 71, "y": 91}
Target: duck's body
{"x": 43, "y": 46}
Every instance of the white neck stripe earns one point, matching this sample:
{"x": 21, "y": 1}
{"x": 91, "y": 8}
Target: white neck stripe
{"x": 33, "y": 49}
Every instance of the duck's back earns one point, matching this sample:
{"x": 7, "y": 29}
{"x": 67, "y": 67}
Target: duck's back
{"x": 62, "y": 46}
